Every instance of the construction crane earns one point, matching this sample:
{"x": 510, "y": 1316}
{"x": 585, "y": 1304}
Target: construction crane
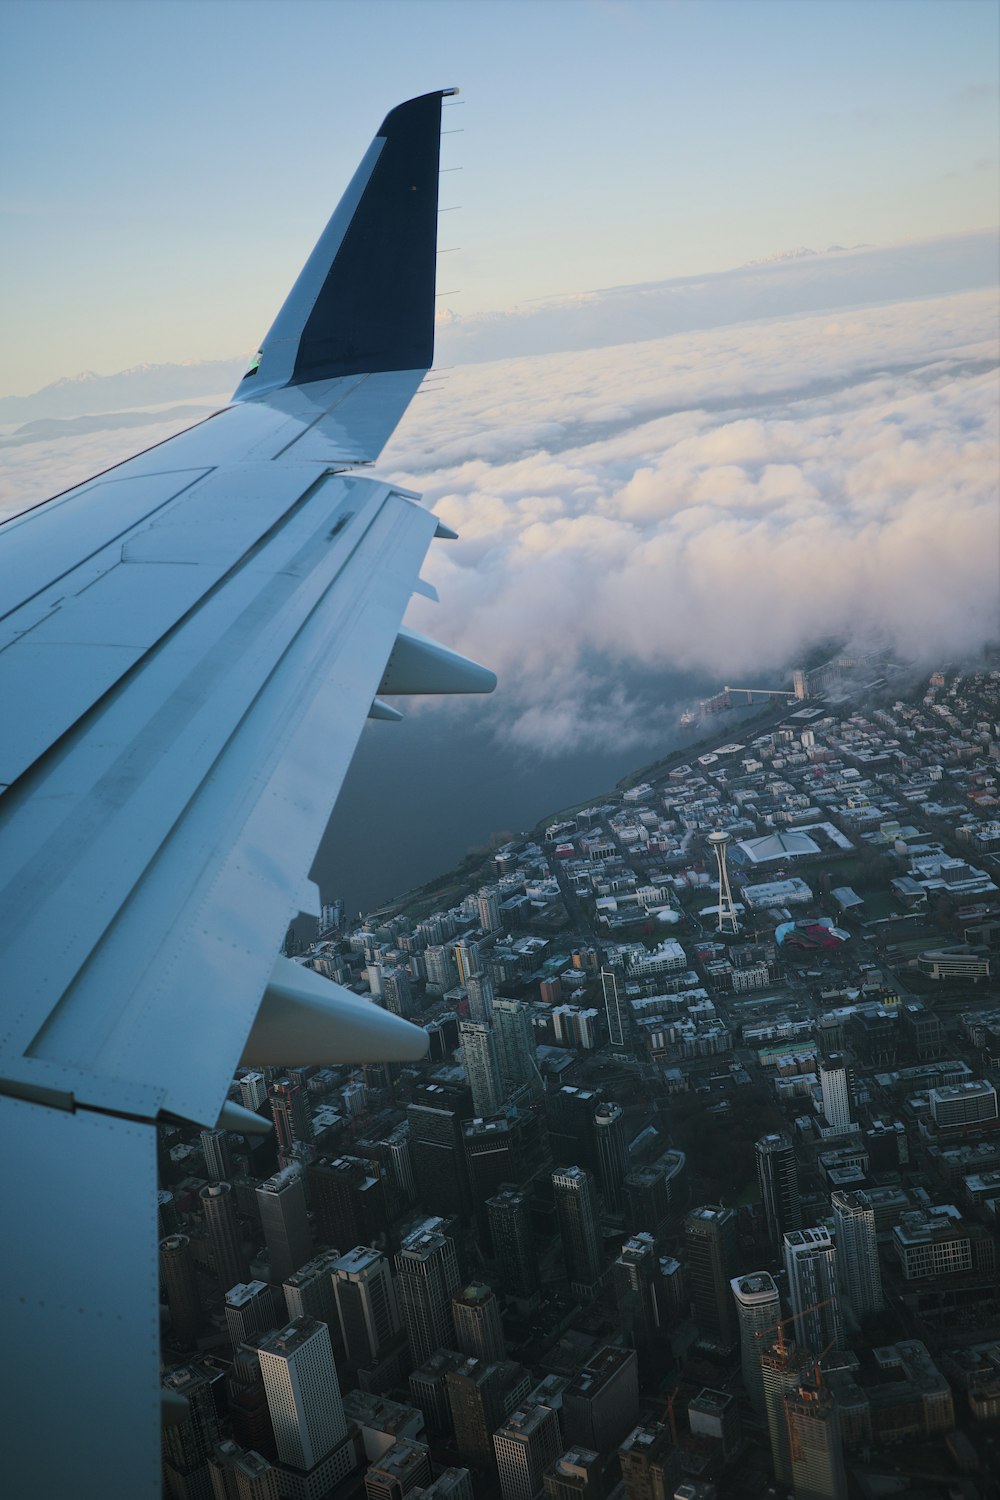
{"x": 794, "y": 1318}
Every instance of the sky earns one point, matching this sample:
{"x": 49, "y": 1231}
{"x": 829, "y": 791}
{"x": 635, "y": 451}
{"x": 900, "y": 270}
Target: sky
{"x": 169, "y": 164}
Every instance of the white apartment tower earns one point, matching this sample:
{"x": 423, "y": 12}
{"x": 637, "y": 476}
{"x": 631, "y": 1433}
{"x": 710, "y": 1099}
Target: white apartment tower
{"x": 860, "y": 1278}
{"x": 482, "y": 1067}
{"x": 758, "y": 1308}
{"x": 480, "y": 991}
{"x": 811, "y": 1267}
{"x": 303, "y": 1395}
{"x": 835, "y": 1083}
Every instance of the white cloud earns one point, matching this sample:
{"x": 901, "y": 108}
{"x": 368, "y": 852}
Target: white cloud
{"x": 712, "y": 501}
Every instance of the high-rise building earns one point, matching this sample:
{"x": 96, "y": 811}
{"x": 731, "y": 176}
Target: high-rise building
{"x": 783, "y": 1366}
{"x": 284, "y": 1220}
{"x": 758, "y": 1310}
{"x": 438, "y": 1158}
{"x": 576, "y": 1475}
{"x": 490, "y": 915}
{"x": 397, "y": 992}
{"x": 615, "y": 1007}
{"x": 647, "y": 1198}
{"x": 428, "y": 1385}
{"x": 253, "y": 1090}
{"x": 811, "y": 1267}
{"x": 468, "y": 958}
{"x": 180, "y": 1288}
{"x": 600, "y": 1406}
{"x": 635, "y": 1275}
{"x": 858, "y": 1273}
{"x": 482, "y": 1067}
{"x": 612, "y": 1153}
{"x": 290, "y": 1109}
{"x": 525, "y": 1445}
{"x": 579, "y": 1228}
{"x": 475, "y": 1396}
{"x": 251, "y": 1308}
{"x": 513, "y": 1243}
{"x": 427, "y": 1277}
{"x": 403, "y": 1467}
{"x": 368, "y": 1311}
{"x": 188, "y": 1444}
{"x": 710, "y": 1238}
{"x": 478, "y": 1327}
{"x": 570, "y": 1117}
{"x": 516, "y": 1045}
{"x": 215, "y": 1149}
{"x": 647, "y": 1458}
{"x": 814, "y": 1446}
{"x": 303, "y": 1395}
{"x": 715, "y": 1416}
{"x": 778, "y": 1176}
{"x": 218, "y": 1203}
{"x": 834, "y": 1078}
{"x": 442, "y": 971}
{"x": 309, "y": 1293}
{"x": 348, "y": 1200}
{"x": 480, "y": 991}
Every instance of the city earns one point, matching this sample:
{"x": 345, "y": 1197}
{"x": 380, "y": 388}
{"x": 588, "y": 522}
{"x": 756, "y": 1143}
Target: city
{"x": 696, "y": 1192}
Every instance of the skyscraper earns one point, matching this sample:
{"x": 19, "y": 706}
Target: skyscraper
{"x": 438, "y": 1157}
{"x": 215, "y": 1149}
{"x": 403, "y": 1467}
{"x": 635, "y": 1276}
{"x": 475, "y": 1396}
{"x": 782, "y": 1369}
{"x": 858, "y": 1272}
{"x": 348, "y": 1200}
{"x": 253, "y": 1090}
{"x": 290, "y": 1110}
{"x": 570, "y": 1116}
{"x": 835, "y": 1084}
{"x": 478, "y": 1327}
{"x": 515, "y": 1044}
{"x": 710, "y": 1238}
{"x": 482, "y": 1067}
{"x": 513, "y": 1243}
{"x": 282, "y": 1203}
{"x": 251, "y": 1308}
{"x": 490, "y": 915}
{"x": 480, "y": 992}
{"x": 758, "y": 1309}
{"x": 397, "y": 992}
{"x": 814, "y": 1447}
{"x": 579, "y": 1228}
{"x": 615, "y": 1006}
{"x": 467, "y": 958}
{"x": 811, "y": 1267}
{"x": 219, "y": 1206}
{"x": 525, "y": 1445}
{"x": 612, "y": 1153}
{"x": 647, "y": 1458}
{"x": 188, "y": 1444}
{"x": 600, "y": 1406}
{"x": 366, "y": 1304}
{"x": 180, "y": 1287}
{"x": 303, "y": 1395}
{"x": 427, "y": 1276}
{"x": 309, "y": 1292}
{"x": 778, "y": 1176}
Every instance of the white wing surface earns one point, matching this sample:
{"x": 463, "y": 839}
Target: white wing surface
{"x": 189, "y": 646}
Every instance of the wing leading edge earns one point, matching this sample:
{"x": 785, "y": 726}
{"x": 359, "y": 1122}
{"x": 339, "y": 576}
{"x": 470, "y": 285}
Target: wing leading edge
{"x": 189, "y": 647}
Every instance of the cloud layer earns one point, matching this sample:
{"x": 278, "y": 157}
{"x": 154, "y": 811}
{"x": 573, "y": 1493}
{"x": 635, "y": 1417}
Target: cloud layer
{"x": 711, "y": 502}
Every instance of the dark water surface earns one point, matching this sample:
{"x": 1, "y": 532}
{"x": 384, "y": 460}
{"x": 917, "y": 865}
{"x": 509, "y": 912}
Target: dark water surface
{"x": 420, "y": 794}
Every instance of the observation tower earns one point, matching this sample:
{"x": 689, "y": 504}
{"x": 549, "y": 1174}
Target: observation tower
{"x": 719, "y": 841}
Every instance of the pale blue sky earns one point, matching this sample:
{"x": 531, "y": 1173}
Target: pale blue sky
{"x": 169, "y": 163}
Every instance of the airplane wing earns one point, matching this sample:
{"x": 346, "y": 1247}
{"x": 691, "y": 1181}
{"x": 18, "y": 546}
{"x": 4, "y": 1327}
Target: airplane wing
{"x": 190, "y": 644}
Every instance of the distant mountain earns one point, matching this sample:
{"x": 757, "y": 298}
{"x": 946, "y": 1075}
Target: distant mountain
{"x": 144, "y": 385}
{"x": 44, "y": 429}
